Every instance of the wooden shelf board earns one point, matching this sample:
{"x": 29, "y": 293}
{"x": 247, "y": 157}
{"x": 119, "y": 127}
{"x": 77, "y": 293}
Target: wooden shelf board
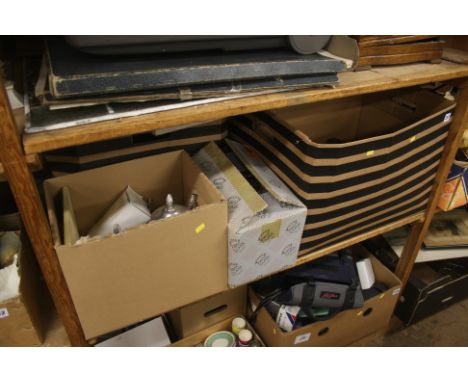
{"x": 357, "y": 239}
{"x": 351, "y": 83}
{"x": 55, "y": 335}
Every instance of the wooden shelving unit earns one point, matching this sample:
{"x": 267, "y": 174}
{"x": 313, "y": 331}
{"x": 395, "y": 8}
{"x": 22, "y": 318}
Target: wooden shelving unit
{"x": 15, "y": 149}
{"x": 32, "y": 161}
{"x": 351, "y": 83}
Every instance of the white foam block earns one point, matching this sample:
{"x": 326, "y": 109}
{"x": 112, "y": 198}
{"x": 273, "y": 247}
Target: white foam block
{"x": 150, "y": 334}
{"x": 365, "y": 273}
{"x": 128, "y": 211}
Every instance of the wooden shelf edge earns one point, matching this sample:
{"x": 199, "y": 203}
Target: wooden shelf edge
{"x": 357, "y": 239}
{"x": 314, "y": 255}
{"x": 351, "y": 83}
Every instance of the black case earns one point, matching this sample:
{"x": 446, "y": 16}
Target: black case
{"x": 431, "y": 287}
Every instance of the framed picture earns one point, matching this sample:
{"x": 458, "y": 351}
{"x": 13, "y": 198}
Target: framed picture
{"x": 448, "y": 229}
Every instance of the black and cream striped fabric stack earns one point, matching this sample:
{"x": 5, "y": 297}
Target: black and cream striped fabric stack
{"x": 357, "y": 163}
{"x": 89, "y": 156}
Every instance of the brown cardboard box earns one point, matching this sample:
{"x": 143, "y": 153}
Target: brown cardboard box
{"x": 199, "y": 338}
{"x": 21, "y": 321}
{"x": 195, "y": 317}
{"x": 346, "y": 327}
{"x": 150, "y": 269}
{"x": 455, "y": 190}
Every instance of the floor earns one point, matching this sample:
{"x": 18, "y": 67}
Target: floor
{"x": 446, "y": 328}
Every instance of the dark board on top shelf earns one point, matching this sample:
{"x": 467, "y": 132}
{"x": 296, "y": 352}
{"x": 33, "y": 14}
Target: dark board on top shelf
{"x": 72, "y": 73}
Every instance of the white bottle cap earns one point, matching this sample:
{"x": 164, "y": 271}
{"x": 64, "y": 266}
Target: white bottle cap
{"x": 365, "y": 273}
{"x": 239, "y": 323}
{"x": 245, "y": 336}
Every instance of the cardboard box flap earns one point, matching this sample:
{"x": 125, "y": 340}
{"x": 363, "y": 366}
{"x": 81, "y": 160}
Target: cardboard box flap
{"x": 242, "y": 194}
{"x": 121, "y": 279}
{"x": 70, "y": 227}
{"x": 264, "y": 174}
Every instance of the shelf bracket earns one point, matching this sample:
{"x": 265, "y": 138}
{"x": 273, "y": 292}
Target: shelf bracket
{"x": 419, "y": 229}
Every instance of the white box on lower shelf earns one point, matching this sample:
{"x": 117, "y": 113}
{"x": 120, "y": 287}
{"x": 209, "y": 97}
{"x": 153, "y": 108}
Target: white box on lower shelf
{"x": 150, "y": 334}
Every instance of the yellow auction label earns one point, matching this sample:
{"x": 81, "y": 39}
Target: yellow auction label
{"x": 413, "y": 138}
{"x": 370, "y": 152}
{"x": 200, "y": 228}
{"x": 270, "y": 231}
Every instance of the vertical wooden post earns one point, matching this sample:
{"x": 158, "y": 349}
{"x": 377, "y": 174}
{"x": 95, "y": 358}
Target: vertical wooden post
{"x": 419, "y": 229}
{"x": 34, "y": 219}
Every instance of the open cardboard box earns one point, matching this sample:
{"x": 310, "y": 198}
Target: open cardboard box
{"x": 343, "y": 329}
{"x": 199, "y": 338}
{"x": 22, "y": 317}
{"x": 357, "y": 163}
{"x": 150, "y": 269}
{"x": 152, "y": 333}
{"x": 202, "y": 314}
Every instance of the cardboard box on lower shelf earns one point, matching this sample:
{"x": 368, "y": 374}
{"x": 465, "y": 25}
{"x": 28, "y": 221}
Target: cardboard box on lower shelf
{"x": 150, "y": 269}
{"x": 199, "y": 338}
{"x": 152, "y": 333}
{"x": 22, "y": 316}
{"x": 200, "y": 315}
{"x": 343, "y": 329}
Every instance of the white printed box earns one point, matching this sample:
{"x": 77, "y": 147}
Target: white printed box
{"x": 264, "y": 228}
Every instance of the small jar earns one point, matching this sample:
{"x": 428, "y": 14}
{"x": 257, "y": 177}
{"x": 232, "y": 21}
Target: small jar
{"x": 245, "y": 338}
{"x": 237, "y": 325}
